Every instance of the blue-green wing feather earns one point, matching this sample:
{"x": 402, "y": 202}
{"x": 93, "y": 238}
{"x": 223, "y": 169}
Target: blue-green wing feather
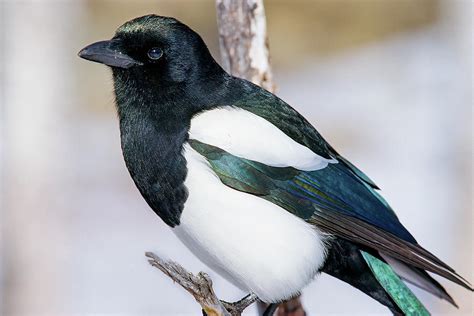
{"x": 395, "y": 287}
{"x": 308, "y": 193}
{"x": 333, "y": 198}
{"x": 334, "y": 187}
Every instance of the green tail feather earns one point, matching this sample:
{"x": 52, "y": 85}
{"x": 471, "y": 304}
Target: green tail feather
{"x": 395, "y": 287}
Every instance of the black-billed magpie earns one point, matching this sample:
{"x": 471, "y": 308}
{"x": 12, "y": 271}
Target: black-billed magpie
{"x": 246, "y": 182}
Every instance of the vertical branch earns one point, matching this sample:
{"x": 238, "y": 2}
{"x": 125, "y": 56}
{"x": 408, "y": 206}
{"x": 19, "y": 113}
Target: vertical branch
{"x": 244, "y": 51}
{"x": 243, "y": 40}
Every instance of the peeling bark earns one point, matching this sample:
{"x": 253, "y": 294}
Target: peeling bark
{"x": 243, "y": 40}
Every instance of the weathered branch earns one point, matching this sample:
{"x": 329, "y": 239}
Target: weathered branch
{"x": 200, "y": 287}
{"x": 243, "y": 40}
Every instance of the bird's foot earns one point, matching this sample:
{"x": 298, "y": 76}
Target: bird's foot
{"x": 270, "y": 310}
{"x": 236, "y": 308}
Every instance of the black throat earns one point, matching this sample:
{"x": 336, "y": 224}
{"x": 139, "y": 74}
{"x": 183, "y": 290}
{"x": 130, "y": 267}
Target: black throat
{"x": 154, "y": 123}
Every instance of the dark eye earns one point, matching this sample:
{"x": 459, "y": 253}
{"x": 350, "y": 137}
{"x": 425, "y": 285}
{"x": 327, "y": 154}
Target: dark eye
{"x": 155, "y": 53}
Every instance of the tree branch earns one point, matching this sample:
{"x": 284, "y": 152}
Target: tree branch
{"x": 243, "y": 40}
{"x": 200, "y": 287}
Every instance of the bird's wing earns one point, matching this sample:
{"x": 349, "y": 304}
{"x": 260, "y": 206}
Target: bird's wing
{"x": 293, "y": 124}
{"x": 333, "y": 198}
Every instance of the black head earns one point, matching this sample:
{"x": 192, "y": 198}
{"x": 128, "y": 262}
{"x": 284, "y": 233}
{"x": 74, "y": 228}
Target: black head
{"x": 155, "y": 49}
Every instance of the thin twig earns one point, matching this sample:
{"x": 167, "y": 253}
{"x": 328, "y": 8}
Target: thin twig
{"x": 238, "y": 307}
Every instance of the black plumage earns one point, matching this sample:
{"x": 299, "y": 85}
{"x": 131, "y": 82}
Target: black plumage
{"x": 345, "y": 262}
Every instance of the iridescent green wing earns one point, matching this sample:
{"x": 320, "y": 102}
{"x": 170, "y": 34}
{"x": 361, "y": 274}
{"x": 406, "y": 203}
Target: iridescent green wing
{"x": 333, "y": 199}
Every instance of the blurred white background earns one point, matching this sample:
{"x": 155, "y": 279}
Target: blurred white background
{"x": 388, "y": 83}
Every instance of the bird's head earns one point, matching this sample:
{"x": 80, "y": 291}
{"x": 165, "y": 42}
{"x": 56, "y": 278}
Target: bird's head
{"x": 153, "y": 50}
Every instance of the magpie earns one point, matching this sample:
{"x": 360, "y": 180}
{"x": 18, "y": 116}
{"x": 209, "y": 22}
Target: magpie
{"x": 247, "y": 183}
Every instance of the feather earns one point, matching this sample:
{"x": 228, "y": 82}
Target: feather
{"x": 419, "y": 278}
{"x": 365, "y": 234}
{"x": 346, "y": 263}
{"x": 333, "y": 200}
{"x": 394, "y": 286}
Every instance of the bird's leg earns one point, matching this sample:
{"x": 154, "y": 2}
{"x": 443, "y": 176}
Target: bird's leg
{"x": 271, "y": 309}
{"x": 238, "y": 307}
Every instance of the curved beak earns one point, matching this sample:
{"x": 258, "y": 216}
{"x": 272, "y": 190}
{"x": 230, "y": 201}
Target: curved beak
{"x": 108, "y": 53}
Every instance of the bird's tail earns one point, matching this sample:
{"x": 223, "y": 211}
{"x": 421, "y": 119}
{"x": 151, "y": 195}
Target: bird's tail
{"x": 394, "y": 286}
{"x": 372, "y": 275}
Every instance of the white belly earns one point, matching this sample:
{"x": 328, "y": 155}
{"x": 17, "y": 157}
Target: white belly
{"x": 253, "y": 243}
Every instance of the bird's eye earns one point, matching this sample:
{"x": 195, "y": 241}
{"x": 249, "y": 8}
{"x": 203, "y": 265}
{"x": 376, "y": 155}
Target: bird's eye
{"x": 155, "y": 53}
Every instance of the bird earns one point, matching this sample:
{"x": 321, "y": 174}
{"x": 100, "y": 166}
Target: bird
{"x": 247, "y": 183}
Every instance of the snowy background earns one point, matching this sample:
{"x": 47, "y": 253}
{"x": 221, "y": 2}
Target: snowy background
{"x": 74, "y": 227}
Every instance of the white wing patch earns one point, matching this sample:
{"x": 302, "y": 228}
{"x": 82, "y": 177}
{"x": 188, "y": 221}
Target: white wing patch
{"x": 250, "y": 136}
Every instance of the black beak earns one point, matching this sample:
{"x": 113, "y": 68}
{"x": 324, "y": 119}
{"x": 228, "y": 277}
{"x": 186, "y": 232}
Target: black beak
{"x": 108, "y": 53}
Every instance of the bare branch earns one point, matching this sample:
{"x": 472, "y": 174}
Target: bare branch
{"x": 199, "y": 286}
{"x": 238, "y": 307}
{"x": 243, "y": 40}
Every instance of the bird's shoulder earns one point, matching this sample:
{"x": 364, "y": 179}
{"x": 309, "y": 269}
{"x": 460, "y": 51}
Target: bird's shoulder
{"x": 248, "y": 97}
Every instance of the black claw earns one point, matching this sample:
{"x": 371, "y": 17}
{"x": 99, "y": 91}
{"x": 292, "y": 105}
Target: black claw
{"x": 270, "y": 309}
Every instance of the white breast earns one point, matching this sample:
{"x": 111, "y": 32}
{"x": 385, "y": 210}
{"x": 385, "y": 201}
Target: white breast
{"x": 250, "y": 136}
{"x": 255, "y": 244}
